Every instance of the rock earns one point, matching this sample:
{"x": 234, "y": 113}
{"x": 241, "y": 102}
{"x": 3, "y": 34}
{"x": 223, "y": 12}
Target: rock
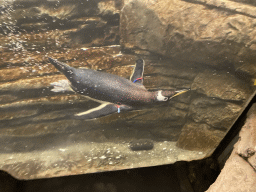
{"x": 252, "y": 2}
{"x": 221, "y": 85}
{"x": 122, "y": 71}
{"x": 94, "y": 23}
{"x": 95, "y": 33}
{"x": 168, "y": 73}
{"x": 239, "y": 172}
{"x": 237, "y": 175}
{"x": 81, "y": 158}
{"x": 136, "y": 26}
{"x": 252, "y": 161}
{"x": 216, "y": 113}
{"x": 13, "y": 114}
{"x": 232, "y": 5}
{"x": 210, "y": 32}
{"x": 199, "y": 137}
{"x": 108, "y": 8}
{"x": 7, "y": 98}
{"x": 246, "y": 72}
{"x": 36, "y": 65}
{"x": 175, "y": 68}
{"x": 27, "y": 84}
{"x": 165, "y": 132}
{"x": 39, "y": 128}
{"x": 57, "y": 99}
{"x": 165, "y": 82}
{"x": 35, "y": 74}
{"x": 182, "y": 106}
{"x": 24, "y": 72}
{"x": 141, "y": 144}
{"x": 246, "y": 146}
{"x": 160, "y": 114}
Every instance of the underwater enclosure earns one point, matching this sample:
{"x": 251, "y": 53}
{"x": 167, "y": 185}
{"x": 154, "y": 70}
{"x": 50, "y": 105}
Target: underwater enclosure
{"x": 207, "y": 49}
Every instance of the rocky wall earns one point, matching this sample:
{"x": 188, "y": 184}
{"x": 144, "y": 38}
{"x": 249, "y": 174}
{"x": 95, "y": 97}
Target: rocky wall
{"x": 219, "y": 33}
{"x": 92, "y": 23}
{"x": 33, "y": 119}
{"x": 218, "y": 37}
{"x": 239, "y": 172}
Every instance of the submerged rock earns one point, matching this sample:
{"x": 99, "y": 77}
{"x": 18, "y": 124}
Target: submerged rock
{"x": 221, "y": 85}
{"x": 13, "y": 114}
{"x": 246, "y": 72}
{"x": 216, "y": 113}
{"x": 161, "y": 114}
{"x": 210, "y": 32}
{"x": 94, "y": 23}
{"x": 199, "y": 137}
{"x": 36, "y": 119}
{"x": 141, "y": 144}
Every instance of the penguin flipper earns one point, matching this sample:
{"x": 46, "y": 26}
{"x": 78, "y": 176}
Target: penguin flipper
{"x": 102, "y": 110}
{"x": 137, "y": 74}
{"x": 61, "y": 86}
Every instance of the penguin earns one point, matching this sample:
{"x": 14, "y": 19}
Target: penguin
{"x": 115, "y": 93}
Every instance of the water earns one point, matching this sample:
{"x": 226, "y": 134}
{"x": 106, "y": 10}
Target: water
{"x": 39, "y": 135}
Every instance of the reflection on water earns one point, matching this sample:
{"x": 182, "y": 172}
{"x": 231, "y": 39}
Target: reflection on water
{"x": 39, "y": 136}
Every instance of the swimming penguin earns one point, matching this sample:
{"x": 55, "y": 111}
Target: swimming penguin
{"x": 114, "y": 92}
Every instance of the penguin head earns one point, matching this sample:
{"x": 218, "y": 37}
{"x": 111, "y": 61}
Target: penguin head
{"x": 160, "y": 96}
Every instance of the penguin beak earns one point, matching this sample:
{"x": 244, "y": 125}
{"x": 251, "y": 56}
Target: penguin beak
{"x": 173, "y": 93}
{"x": 179, "y": 92}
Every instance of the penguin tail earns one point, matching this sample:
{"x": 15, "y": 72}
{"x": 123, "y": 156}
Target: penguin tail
{"x": 61, "y": 86}
{"x": 62, "y": 67}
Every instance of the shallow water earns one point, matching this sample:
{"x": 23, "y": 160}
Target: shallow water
{"x": 39, "y": 136}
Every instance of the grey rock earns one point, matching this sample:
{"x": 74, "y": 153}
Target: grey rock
{"x": 84, "y": 22}
{"x": 141, "y": 144}
{"x": 199, "y": 137}
{"x": 160, "y": 114}
{"x": 216, "y": 113}
{"x": 191, "y": 31}
{"x": 165, "y": 132}
{"x": 165, "y": 82}
{"x": 140, "y": 27}
{"x": 246, "y": 72}
{"x": 221, "y": 85}
{"x": 7, "y": 98}
{"x": 42, "y": 102}
{"x": 13, "y": 114}
{"x": 232, "y": 5}
{"x": 34, "y": 83}
{"x": 176, "y": 68}
{"x": 39, "y": 128}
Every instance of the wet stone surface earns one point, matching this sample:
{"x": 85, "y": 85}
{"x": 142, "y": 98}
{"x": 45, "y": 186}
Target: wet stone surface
{"x": 141, "y": 144}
